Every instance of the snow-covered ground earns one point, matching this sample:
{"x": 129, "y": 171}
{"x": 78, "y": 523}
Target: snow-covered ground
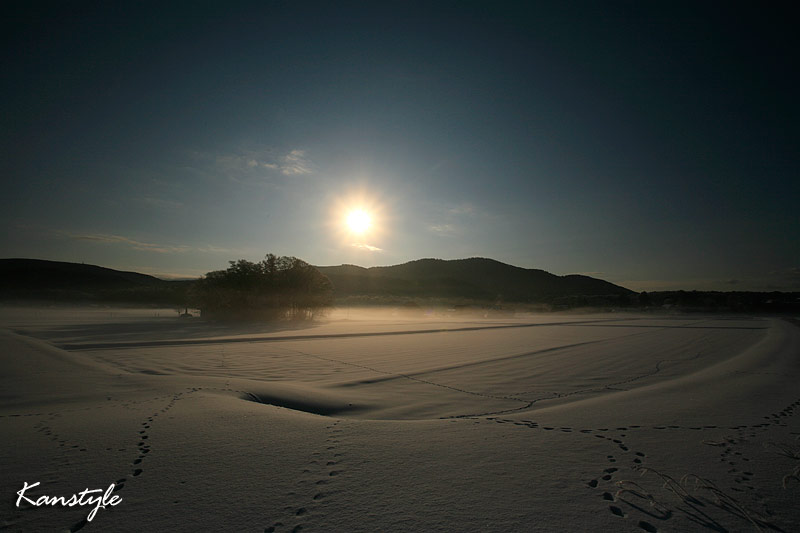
{"x": 384, "y": 421}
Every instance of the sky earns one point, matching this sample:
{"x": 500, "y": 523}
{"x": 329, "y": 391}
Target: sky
{"x": 651, "y": 144}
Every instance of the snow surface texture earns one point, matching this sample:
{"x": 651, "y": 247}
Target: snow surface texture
{"x": 374, "y": 421}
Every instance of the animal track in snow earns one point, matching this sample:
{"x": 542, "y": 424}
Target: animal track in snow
{"x": 325, "y": 467}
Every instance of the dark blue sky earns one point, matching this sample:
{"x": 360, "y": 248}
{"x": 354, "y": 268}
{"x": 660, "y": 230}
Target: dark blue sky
{"x": 650, "y": 144}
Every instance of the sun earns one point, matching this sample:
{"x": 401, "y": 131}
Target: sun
{"x": 358, "y": 221}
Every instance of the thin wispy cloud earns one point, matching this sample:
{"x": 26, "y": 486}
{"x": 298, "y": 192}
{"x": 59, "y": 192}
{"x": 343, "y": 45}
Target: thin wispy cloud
{"x": 211, "y": 249}
{"x": 295, "y": 163}
{"x": 463, "y": 209}
{"x": 367, "y": 247}
{"x": 454, "y": 218}
{"x": 255, "y": 165}
{"x": 143, "y": 246}
{"x": 236, "y": 168}
{"x": 106, "y": 238}
{"x": 444, "y": 230}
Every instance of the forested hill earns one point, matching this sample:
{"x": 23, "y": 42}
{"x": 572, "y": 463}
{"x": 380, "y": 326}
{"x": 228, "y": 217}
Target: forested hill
{"x": 462, "y": 280}
{"x": 475, "y": 278}
{"x": 470, "y": 279}
{"x": 57, "y": 280}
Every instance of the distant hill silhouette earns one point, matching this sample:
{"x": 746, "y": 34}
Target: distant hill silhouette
{"x": 57, "y": 280}
{"x": 474, "y": 279}
{"x": 34, "y": 274}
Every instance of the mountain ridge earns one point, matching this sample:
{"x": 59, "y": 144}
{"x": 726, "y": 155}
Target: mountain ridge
{"x": 472, "y": 278}
{"x": 475, "y": 278}
{"x": 42, "y": 279}
{"x": 42, "y": 274}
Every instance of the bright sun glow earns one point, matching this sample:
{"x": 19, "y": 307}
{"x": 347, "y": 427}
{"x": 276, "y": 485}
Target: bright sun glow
{"x": 358, "y": 221}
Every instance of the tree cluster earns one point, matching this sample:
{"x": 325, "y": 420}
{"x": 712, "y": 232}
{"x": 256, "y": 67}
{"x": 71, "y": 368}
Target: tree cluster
{"x": 276, "y": 288}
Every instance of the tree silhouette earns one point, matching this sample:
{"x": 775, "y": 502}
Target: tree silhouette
{"x": 276, "y": 288}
